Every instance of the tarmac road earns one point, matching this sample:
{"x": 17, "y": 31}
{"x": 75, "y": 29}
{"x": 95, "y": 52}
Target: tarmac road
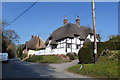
{"x": 22, "y": 69}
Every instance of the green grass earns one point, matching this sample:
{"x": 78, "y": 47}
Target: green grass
{"x": 107, "y": 67}
{"x": 46, "y": 59}
{"x": 76, "y": 57}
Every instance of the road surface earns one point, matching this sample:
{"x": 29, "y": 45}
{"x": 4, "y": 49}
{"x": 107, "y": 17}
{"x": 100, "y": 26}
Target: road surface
{"x": 22, "y": 69}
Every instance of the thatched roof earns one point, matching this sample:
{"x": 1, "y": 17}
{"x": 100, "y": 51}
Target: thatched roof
{"x": 34, "y": 41}
{"x": 69, "y": 30}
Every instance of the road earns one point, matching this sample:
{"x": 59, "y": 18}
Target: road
{"x": 22, "y": 69}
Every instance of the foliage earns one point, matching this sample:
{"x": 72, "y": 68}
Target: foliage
{"x": 9, "y": 38}
{"x": 70, "y": 55}
{"x": 76, "y": 57}
{"x": 11, "y": 50}
{"x": 107, "y": 67}
{"x": 23, "y": 56}
{"x": 45, "y": 59}
{"x": 11, "y": 35}
{"x": 5, "y": 43}
{"x": 99, "y": 36}
{"x": 114, "y": 39}
{"x": 86, "y": 52}
{"x": 19, "y": 50}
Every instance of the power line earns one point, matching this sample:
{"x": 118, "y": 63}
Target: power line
{"x": 23, "y": 13}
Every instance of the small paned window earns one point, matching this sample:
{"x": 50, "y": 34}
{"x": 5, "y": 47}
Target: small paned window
{"x": 91, "y": 36}
{"x": 69, "y": 45}
{"x": 77, "y": 46}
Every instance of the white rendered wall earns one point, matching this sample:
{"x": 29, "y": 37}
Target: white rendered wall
{"x": 61, "y": 47}
{"x": 92, "y": 38}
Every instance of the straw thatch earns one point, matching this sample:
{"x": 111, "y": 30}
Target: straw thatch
{"x": 35, "y": 43}
{"x": 69, "y": 30}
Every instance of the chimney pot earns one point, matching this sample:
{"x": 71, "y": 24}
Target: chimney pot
{"x": 65, "y": 17}
{"x": 77, "y": 17}
{"x": 65, "y": 20}
{"x": 37, "y": 36}
{"x": 78, "y": 21}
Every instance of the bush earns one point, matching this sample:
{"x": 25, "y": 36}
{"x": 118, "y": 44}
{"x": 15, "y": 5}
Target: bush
{"x": 23, "y": 56}
{"x": 19, "y": 50}
{"x": 107, "y": 67}
{"x": 70, "y": 55}
{"x": 86, "y": 54}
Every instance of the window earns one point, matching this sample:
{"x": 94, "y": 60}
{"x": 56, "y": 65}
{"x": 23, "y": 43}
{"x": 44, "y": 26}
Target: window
{"x": 50, "y": 39}
{"x": 77, "y": 46}
{"x": 91, "y": 36}
{"x": 54, "y": 46}
{"x": 68, "y": 45}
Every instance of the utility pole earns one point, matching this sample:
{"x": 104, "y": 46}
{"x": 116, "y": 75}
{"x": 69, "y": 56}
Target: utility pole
{"x": 94, "y": 30}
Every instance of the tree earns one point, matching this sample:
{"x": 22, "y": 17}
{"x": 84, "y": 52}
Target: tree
{"x": 19, "y": 50}
{"x": 11, "y": 50}
{"x": 11, "y": 35}
{"x": 9, "y": 38}
{"x": 114, "y": 38}
{"x": 5, "y": 43}
{"x": 98, "y": 35}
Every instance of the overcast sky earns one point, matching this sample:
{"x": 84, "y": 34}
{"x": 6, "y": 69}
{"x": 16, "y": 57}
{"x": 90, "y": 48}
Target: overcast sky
{"x": 44, "y": 17}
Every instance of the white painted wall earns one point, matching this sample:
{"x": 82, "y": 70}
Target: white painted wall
{"x": 92, "y": 38}
{"x": 61, "y": 48}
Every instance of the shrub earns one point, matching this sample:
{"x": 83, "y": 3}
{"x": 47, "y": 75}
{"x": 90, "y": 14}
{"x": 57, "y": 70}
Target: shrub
{"x": 23, "y": 56}
{"x": 70, "y": 55}
{"x": 86, "y": 54}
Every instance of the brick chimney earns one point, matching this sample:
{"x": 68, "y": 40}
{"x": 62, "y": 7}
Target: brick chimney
{"x": 65, "y": 20}
{"x": 78, "y": 21}
{"x": 37, "y": 35}
{"x": 32, "y": 36}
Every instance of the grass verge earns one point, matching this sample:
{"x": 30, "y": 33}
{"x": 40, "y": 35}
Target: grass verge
{"x": 46, "y": 59}
{"x": 107, "y": 67}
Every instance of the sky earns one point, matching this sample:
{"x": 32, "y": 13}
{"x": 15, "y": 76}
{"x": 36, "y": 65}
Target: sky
{"x": 45, "y": 17}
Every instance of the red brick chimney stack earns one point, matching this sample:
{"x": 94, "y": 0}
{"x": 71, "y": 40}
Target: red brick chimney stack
{"x": 78, "y": 21}
{"x": 32, "y": 36}
{"x": 65, "y": 20}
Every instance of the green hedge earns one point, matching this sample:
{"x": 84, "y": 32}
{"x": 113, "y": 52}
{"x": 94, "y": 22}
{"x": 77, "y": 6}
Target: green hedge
{"x": 23, "y": 56}
{"x": 86, "y": 54}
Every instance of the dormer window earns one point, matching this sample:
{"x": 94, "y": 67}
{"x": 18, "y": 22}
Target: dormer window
{"x": 50, "y": 39}
{"x": 76, "y": 36}
{"x": 90, "y": 36}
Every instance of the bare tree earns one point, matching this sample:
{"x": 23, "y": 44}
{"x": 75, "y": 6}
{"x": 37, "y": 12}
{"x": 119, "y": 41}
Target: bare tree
{"x": 9, "y": 38}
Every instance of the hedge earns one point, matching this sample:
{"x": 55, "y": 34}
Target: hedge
{"x": 86, "y": 54}
{"x": 23, "y": 56}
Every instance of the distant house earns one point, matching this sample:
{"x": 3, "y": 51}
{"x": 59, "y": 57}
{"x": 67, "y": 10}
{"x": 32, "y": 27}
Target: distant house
{"x": 34, "y": 43}
{"x": 69, "y": 38}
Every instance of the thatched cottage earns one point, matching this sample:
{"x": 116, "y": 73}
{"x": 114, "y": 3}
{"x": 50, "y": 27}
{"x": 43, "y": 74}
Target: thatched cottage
{"x": 69, "y": 38}
{"x": 33, "y": 44}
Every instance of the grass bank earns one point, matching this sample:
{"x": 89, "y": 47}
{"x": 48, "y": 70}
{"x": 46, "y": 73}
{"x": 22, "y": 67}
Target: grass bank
{"x": 47, "y": 59}
{"x": 106, "y": 67}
